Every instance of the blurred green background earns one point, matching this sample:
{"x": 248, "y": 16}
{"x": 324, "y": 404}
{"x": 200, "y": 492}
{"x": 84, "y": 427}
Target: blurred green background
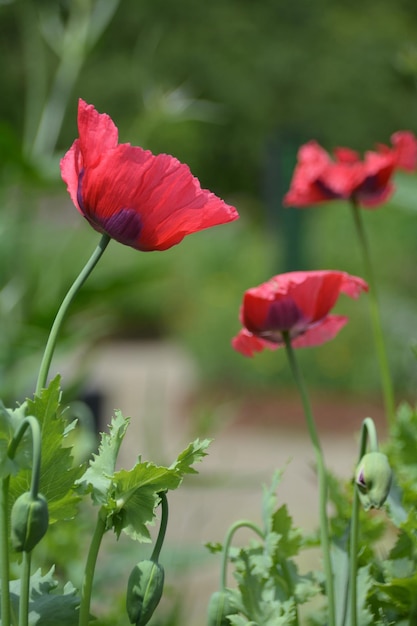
{"x": 232, "y": 87}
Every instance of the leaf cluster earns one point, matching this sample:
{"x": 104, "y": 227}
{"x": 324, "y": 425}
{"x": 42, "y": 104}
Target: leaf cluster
{"x": 129, "y": 497}
{"x": 269, "y": 585}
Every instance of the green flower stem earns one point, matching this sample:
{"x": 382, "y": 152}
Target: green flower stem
{"x": 76, "y": 286}
{"x": 24, "y": 589}
{"x": 368, "y": 431}
{"x": 32, "y": 423}
{"x": 386, "y": 379}
{"x": 87, "y": 586}
{"x": 229, "y": 537}
{"x": 4, "y": 538}
{"x": 322, "y": 477}
{"x": 162, "y": 527}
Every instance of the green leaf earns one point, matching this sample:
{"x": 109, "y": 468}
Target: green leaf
{"x": 269, "y": 500}
{"x": 58, "y": 474}
{"x": 136, "y": 497}
{"x": 10, "y": 422}
{"x": 194, "y": 453}
{"x": 48, "y": 606}
{"x": 130, "y": 497}
{"x": 290, "y": 538}
{"x": 98, "y": 477}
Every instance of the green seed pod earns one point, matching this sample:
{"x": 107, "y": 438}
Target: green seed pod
{"x": 373, "y": 479}
{"x": 144, "y": 591}
{"x": 29, "y": 521}
{"x": 220, "y": 606}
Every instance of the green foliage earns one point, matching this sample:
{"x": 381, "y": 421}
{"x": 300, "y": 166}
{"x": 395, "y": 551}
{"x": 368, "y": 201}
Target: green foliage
{"x": 270, "y": 588}
{"x": 58, "y": 474}
{"x": 49, "y": 604}
{"x": 10, "y": 422}
{"x": 269, "y": 585}
{"x": 129, "y": 497}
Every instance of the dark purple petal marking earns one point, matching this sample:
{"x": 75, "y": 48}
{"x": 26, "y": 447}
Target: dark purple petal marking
{"x": 283, "y": 315}
{"x": 124, "y": 226}
{"x": 361, "y": 479}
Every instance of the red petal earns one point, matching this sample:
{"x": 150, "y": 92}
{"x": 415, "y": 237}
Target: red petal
{"x": 324, "y": 331}
{"x": 313, "y": 162}
{"x": 145, "y": 201}
{"x": 71, "y": 165}
{"x": 247, "y": 344}
{"x": 97, "y": 132}
{"x": 405, "y": 144}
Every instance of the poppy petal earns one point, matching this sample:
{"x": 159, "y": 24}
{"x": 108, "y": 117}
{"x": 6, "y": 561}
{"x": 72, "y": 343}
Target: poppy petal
{"x": 323, "y": 331}
{"x": 248, "y": 344}
{"x": 145, "y": 201}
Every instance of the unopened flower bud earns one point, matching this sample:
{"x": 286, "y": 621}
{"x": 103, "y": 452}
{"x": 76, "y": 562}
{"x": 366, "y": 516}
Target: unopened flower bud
{"x": 373, "y": 479}
{"x": 220, "y": 606}
{"x": 144, "y": 591}
{"x": 29, "y": 521}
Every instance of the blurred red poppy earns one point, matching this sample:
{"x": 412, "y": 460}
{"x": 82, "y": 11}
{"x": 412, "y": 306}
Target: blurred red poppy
{"x": 144, "y": 201}
{"x": 319, "y": 178}
{"x": 298, "y": 303}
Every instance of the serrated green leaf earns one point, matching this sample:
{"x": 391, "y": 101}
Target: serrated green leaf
{"x": 98, "y": 477}
{"x": 57, "y": 476}
{"x": 136, "y": 496}
{"x": 290, "y": 538}
{"x": 48, "y": 606}
{"x": 194, "y": 453}
{"x": 269, "y": 500}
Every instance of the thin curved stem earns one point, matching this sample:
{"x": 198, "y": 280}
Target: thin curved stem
{"x": 368, "y": 432}
{"x": 386, "y": 378}
{"x": 74, "y": 289}
{"x": 322, "y": 477}
{"x": 30, "y": 422}
{"x": 87, "y": 586}
{"x": 229, "y": 537}
{"x": 162, "y": 528}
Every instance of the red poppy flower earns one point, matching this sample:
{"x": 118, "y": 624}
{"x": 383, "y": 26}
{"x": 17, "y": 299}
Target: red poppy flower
{"x": 319, "y": 178}
{"x": 298, "y": 303}
{"x": 144, "y": 201}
